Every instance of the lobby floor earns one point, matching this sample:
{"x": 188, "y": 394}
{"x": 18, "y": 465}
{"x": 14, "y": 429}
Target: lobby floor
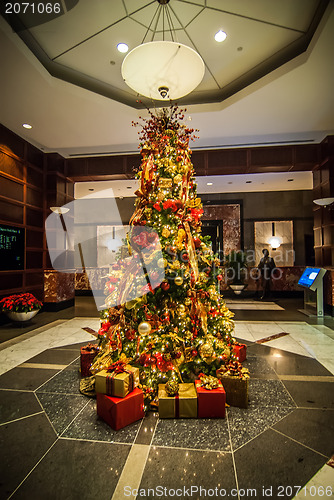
{"x": 55, "y": 447}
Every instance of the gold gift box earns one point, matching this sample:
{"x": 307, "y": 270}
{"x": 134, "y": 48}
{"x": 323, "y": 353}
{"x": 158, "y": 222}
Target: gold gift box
{"x": 118, "y": 385}
{"x": 236, "y": 390}
{"x": 183, "y": 406}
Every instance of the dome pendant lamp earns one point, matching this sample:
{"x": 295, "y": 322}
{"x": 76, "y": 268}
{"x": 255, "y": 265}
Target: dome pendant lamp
{"x": 163, "y": 69}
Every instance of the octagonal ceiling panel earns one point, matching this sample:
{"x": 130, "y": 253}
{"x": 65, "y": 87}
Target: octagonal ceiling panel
{"x": 79, "y": 46}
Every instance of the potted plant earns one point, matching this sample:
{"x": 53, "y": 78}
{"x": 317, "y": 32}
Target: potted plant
{"x": 235, "y": 268}
{"x": 20, "y": 307}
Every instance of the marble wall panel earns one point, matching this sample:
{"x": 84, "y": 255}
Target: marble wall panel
{"x": 58, "y": 287}
{"x": 230, "y": 216}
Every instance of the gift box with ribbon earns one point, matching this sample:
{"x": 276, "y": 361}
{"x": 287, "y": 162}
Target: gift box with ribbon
{"x": 235, "y": 380}
{"x": 240, "y": 350}
{"x": 183, "y": 405}
{"x": 211, "y": 397}
{"x": 118, "y": 380}
{"x": 87, "y": 355}
{"x": 120, "y": 412}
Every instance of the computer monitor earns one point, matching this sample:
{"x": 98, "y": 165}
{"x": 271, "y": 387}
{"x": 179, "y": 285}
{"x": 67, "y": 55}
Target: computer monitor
{"x": 12, "y": 242}
{"x": 309, "y": 276}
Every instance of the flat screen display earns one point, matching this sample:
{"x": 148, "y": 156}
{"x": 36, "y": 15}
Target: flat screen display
{"x": 308, "y": 277}
{"x": 12, "y": 241}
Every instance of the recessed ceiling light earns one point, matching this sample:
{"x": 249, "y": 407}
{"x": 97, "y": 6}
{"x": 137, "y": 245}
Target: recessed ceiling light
{"x": 26, "y": 125}
{"x": 290, "y": 180}
{"x": 248, "y": 182}
{"x": 128, "y": 187}
{"x": 209, "y": 183}
{"x": 91, "y": 189}
{"x": 230, "y": 182}
{"x": 122, "y": 47}
{"x": 220, "y": 36}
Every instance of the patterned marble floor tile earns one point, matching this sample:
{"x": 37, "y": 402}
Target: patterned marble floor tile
{"x": 89, "y": 426}
{"x": 314, "y": 428}
{"x": 276, "y": 463}
{"x": 175, "y": 469}
{"x": 246, "y": 424}
{"x": 76, "y": 470}
{"x": 266, "y": 393}
{"x": 67, "y": 381}
{"x": 23, "y": 444}
{"x": 61, "y": 408}
{"x": 17, "y": 404}
{"x": 259, "y": 368}
{"x": 202, "y": 434}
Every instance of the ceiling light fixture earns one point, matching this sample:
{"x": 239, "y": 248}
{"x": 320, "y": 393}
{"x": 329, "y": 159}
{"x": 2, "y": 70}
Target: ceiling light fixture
{"x": 323, "y": 202}
{"x": 209, "y": 183}
{"x": 27, "y": 125}
{"x": 274, "y": 241}
{"x": 166, "y": 68}
{"x": 220, "y": 36}
{"x": 122, "y": 47}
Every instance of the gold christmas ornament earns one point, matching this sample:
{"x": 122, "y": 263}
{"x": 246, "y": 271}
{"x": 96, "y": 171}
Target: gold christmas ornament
{"x": 165, "y": 232}
{"x": 144, "y": 328}
{"x": 207, "y": 352}
{"x": 172, "y": 387}
{"x": 187, "y": 301}
{"x": 181, "y": 310}
{"x": 177, "y": 179}
{"x": 160, "y": 196}
{"x": 178, "y": 281}
{"x": 162, "y": 263}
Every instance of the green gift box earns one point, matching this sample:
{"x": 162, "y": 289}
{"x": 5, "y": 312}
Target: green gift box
{"x": 117, "y": 384}
{"x": 184, "y": 405}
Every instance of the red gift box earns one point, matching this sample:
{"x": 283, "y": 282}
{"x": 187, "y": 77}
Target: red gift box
{"x": 240, "y": 351}
{"x": 210, "y": 403}
{"x": 120, "y": 412}
{"x": 88, "y": 353}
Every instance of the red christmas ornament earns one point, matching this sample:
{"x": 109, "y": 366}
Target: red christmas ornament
{"x": 152, "y": 360}
{"x": 197, "y": 242}
{"x": 219, "y": 277}
{"x": 165, "y": 286}
{"x": 178, "y": 354}
{"x": 194, "y": 353}
{"x": 185, "y": 257}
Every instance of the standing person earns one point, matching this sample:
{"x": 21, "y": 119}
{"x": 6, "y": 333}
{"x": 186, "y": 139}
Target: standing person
{"x": 266, "y": 267}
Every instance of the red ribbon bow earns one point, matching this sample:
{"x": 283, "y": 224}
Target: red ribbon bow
{"x": 117, "y": 367}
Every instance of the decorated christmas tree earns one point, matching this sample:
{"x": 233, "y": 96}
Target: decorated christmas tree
{"x": 164, "y": 313}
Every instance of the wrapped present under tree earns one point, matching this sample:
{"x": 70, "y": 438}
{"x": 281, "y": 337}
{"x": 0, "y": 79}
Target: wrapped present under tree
{"x": 183, "y": 404}
{"x": 235, "y": 380}
{"x": 211, "y": 397}
{"x": 240, "y": 351}
{"x": 118, "y": 380}
{"x": 120, "y": 412}
{"x": 87, "y": 355}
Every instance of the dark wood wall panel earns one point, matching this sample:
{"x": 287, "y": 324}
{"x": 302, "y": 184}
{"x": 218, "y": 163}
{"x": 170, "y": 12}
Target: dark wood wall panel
{"x": 323, "y": 187}
{"x": 22, "y": 204}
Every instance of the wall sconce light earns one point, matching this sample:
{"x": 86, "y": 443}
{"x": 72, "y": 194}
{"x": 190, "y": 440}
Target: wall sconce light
{"x": 59, "y": 210}
{"x": 323, "y": 202}
{"x": 274, "y": 241}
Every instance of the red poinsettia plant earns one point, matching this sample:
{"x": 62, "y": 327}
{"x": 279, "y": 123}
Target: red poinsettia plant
{"x": 22, "y": 302}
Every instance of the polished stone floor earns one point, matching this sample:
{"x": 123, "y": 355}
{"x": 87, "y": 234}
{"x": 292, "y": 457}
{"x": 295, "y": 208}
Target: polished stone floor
{"x": 53, "y": 445}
